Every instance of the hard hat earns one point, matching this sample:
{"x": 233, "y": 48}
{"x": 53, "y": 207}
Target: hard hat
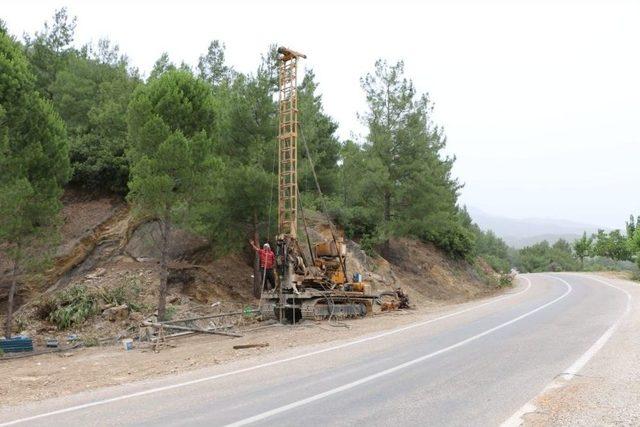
{"x": 266, "y": 246}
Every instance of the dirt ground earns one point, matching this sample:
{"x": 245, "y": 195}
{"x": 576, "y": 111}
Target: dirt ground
{"x": 56, "y": 374}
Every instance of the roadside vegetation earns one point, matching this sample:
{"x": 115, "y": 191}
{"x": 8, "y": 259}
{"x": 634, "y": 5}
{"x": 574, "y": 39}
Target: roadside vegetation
{"x": 614, "y": 250}
{"x": 195, "y": 148}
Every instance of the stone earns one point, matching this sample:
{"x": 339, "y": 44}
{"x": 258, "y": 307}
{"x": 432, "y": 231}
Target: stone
{"x": 136, "y": 317}
{"x": 119, "y": 312}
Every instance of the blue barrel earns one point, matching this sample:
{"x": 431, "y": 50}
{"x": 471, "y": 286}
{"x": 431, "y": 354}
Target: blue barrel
{"x": 16, "y": 344}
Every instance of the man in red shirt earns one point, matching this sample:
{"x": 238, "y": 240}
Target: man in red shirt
{"x": 267, "y": 263}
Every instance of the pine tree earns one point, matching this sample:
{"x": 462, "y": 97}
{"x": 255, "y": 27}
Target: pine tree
{"x": 92, "y": 93}
{"x": 171, "y": 124}
{"x": 411, "y": 182}
{"x": 34, "y": 162}
{"x": 49, "y": 49}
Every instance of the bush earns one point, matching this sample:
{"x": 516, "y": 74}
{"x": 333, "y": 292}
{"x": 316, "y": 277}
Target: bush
{"x": 73, "y": 307}
{"x": 369, "y": 244}
{"x": 506, "y": 280}
{"x": 127, "y": 293}
{"x": 545, "y": 257}
{"x": 499, "y": 265}
{"x": 456, "y": 240}
{"x": 170, "y": 312}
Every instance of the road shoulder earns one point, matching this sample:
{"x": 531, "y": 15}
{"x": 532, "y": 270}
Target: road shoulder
{"x": 607, "y": 390}
{"x": 54, "y": 375}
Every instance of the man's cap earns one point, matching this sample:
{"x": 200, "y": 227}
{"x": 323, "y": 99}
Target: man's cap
{"x": 266, "y": 246}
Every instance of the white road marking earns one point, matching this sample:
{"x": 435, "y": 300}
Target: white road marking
{"x": 572, "y": 370}
{"x": 396, "y": 368}
{"x": 263, "y": 365}
{"x": 517, "y": 419}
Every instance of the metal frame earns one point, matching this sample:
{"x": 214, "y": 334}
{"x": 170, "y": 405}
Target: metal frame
{"x": 288, "y": 143}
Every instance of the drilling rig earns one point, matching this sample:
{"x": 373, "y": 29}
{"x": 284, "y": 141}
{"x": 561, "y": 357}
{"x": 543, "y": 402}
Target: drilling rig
{"x": 315, "y": 288}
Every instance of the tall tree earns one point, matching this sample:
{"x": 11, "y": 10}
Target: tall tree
{"x": 318, "y": 132}
{"x": 412, "y": 179}
{"x": 212, "y": 66}
{"x": 246, "y": 132}
{"x": 161, "y": 66}
{"x": 34, "y": 161}
{"x": 49, "y": 49}
{"x": 92, "y": 93}
{"x": 171, "y": 121}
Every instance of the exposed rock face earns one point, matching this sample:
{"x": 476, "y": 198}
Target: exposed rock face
{"x": 144, "y": 243}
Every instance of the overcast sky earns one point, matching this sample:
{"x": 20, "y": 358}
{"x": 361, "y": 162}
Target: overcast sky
{"x": 540, "y": 100}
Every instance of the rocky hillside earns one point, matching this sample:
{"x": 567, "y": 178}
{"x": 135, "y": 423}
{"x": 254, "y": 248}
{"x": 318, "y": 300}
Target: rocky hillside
{"x": 109, "y": 260}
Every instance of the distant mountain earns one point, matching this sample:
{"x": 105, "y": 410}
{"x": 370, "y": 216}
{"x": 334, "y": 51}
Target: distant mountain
{"x": 524, "y": 232}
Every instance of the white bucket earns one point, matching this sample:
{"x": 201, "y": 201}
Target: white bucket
{"x": 127, "y": 344}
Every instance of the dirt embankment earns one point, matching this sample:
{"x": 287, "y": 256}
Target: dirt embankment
{"x": 108, "y": 253}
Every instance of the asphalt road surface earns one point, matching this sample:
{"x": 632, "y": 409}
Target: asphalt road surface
{"x": 475, "y": 365}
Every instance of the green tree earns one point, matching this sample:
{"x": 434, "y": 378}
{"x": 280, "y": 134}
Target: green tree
{"x": 161, "y": 66}
{"x": 171, "y": 121}
{"x": 493, "y": 249}
{"x": 212, "y": 66}
{"x": 34, "y": 162}
{"x": 318, "y": 132}
{"x": 633, "y": 237}
{"x": 49, "y": 49}
{"x": 582, "y": 248}
{"x": 412, "y": 186}
{"x": 246, "y": 132}
{"x": 92, "y": 93}
{"x": 545, "y": 257}
{"x": 562, "y": 245}
{"x": 612, "y": 245}
{"x": 632, "y": 225}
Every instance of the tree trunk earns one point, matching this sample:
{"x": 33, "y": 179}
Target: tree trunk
{"x": 257, "y": 281}
{"x": 165, "y": 229}
{"x": 12, "y": 292}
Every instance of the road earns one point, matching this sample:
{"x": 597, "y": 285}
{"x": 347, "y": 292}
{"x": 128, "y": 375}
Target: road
{"x": 475, "y": 365}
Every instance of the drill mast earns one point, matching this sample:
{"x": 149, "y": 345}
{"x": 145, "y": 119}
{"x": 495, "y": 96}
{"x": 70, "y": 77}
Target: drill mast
{"x": 307, "y": 289}
{"x": 288, "y": 142}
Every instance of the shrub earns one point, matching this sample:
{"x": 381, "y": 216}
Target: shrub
{"x": 170, "y": 312}
{"x": 127, "y": 293}
{"x": 506, "y": 280}
{"x": 499, "y": 265}
{"x": 73, "y": 307}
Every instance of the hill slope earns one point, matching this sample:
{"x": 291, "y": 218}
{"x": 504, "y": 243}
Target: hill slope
{"x": 104, "y": 251}
{"x": 524, "y": 232}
